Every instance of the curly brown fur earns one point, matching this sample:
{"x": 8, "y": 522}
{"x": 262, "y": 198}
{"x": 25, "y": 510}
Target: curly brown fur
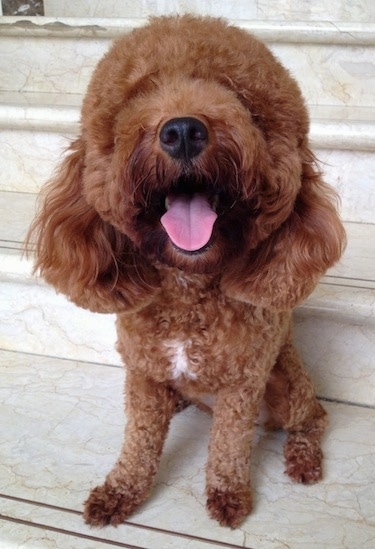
{"x": 195, "y": 113}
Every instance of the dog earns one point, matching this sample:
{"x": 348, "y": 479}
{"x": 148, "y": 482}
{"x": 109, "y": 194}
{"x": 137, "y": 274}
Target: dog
{"x": 192, "y": 207}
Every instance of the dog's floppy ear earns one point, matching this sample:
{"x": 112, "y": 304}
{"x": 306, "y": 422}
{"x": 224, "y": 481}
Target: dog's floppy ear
{"x": 285, "y": 267}
{"x": 81, "y": 255}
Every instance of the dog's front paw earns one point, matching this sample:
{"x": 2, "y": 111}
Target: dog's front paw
{"x": 303, "y": 459}
{"x": 228, "y": 507}
{"x": 110, "y": 505}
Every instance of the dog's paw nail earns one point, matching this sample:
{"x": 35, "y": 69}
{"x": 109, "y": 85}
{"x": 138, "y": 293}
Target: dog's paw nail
{"x": 229, "y": 508}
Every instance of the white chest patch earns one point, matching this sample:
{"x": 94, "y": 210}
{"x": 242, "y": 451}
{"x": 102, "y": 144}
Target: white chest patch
{"x": 179, "y": 360}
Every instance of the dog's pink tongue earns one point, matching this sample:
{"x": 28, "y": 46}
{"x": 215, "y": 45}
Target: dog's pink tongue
{"x": 189, "y": 221}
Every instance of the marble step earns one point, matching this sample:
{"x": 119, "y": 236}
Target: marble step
{"x": 334, "y": 329}
{"x": 291, "y": 10}
{"x": 333, "y": 61}
{"x": 36, "y": 128}
{"x": 64, "y": 426}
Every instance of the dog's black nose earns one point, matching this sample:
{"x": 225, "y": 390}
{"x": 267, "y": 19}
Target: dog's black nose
{"x": 183, "y": 138}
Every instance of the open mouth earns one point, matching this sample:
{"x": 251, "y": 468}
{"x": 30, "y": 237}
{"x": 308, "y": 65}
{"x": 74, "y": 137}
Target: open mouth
{"x": 189, "y": 212}
{"x": 189, "y": 220}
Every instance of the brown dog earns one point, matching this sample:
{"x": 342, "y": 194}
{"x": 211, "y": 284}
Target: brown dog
{"x": 192, "y": 207}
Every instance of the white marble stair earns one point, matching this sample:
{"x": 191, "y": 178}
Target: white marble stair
{"x": 334, "y": 328}
{"x": 39, "y": 103}
{"x": 37, "y": 127}
{"x": 333, "y": 61}
{"x": 291, "y": 10}
{"x": 61, "y": 389}
{"x": 39, "y": 112}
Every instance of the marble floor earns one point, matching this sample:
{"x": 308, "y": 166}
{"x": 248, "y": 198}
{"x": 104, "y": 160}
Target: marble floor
{"x": 62, "y": 424}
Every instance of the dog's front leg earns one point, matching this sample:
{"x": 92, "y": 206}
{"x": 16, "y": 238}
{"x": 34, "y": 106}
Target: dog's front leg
{"x": 149, "y": 407}
{"x": 228, "y": 468}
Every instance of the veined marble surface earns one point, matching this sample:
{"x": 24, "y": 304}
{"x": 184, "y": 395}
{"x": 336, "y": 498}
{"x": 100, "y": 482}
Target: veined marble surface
{"x": 352, "y": 174}
{"x": 329, "y": 73}
{"x": 17, "y": 210}
{"x": 36, "y": 128}
{"x": 340, "y": 314}
{"x": 340, "y": 79}
{"x": 29, "y": 158}
{"x": 338, "y": 349}
{"x": 63, "y": 427}
{"x": 37, "y": 321}
{"x": 292, "y": 10}
{"x": 332, "y": 127}
{"x": 47, "y": 65}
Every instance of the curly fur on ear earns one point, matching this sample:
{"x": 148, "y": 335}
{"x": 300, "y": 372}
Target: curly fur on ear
{"x": 81, "y": 255}
{"x": 284, "y": 269}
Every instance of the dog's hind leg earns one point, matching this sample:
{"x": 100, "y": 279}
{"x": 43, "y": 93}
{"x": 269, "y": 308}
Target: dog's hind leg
{"x": 291, "y": 399}
{"x": 150, "y": 406}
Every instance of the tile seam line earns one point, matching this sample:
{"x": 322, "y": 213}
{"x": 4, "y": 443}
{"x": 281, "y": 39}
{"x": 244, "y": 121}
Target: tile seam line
{"x": 347, "y": 282}
{"x": 70, "y": 533}
{"x": 80, "y": 361}
{"x": 347, "y": 286}
{"x": 347, "y": 403}
{"x": 330, "y": 280}
{"x": 11, "y": 191}
{"x": 126, "y": 523}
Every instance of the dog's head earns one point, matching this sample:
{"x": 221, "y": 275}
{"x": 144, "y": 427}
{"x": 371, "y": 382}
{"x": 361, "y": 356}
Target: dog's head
{"x": 199, "y": 130}
{"x": 194, "y": 154}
